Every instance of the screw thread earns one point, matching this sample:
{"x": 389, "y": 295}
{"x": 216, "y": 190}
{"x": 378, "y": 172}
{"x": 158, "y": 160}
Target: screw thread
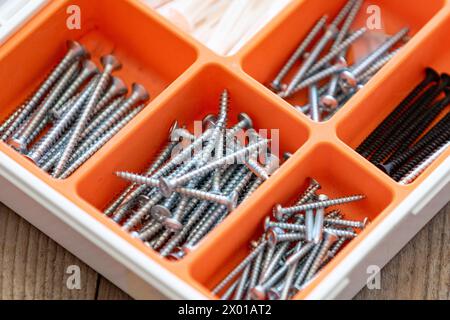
{"x": 371, "y": 58}
{"x": 326, "y": 244}
{"x": 338, "y": 50}
{"x": 329, "y": 34}
{"x": 239, "y": 267}
{"x": 320, "y": 204}
{"x": 102, "y": 141}
{"x": 276, "y": 83}
{"x": 365, "y": 148}
{"x": 414, "y": 174}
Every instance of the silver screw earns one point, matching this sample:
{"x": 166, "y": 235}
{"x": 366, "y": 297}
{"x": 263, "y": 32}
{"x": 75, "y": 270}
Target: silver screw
{"x": 57, "y": 131}
{"x": 100, "y": 143}
{"x": 315, "y": 205}
{"x": 168, "y": 186}
{"x": 319, "y": 221}
{"x": 314, "y": 100}
{"x": 19, "y": 142}
{"x": 239, "y": 267}
{"x": 276, "y": 83}
{"x": 329, "y": 34}
{"x": 75, "y": 51}
{"x": 110, "y": 63}
{"x": 117, "y": 88}
{"x": 328, "y": 240}
{"x": 88, "y": 70}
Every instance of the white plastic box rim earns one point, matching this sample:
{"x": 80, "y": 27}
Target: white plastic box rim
{"x": 173, "y": 287}
{"x": 19, "y": 16}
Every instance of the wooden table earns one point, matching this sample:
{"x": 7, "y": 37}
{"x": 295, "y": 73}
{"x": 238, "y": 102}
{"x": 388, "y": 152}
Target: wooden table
{"x": 33, "y": 266}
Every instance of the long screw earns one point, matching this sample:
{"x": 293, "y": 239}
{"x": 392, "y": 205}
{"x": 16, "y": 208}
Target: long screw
{"x": 110, "y": 63}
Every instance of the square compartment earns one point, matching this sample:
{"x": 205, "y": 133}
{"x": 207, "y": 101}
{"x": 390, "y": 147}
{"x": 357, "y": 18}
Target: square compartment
{"x": 339, "y": 175}
{"x": 198, "y": 97}
{"x": 150, "y": 53}
{"x": 380, "y": 102}
{"x": 264, "y": 58}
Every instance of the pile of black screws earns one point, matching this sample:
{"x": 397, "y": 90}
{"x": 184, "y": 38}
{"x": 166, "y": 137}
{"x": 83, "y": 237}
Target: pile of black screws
{"x": 82, "y": 107}
{"x": 325, "y": 59}
{"x": 296, "y": 245}
{"x": 404, "y": 145}
{"x": 181, "y": 197}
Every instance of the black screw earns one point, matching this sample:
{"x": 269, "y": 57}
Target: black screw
{"x": 441, "y": 132}
{"x": 431, "y": 77}
{"x": 379, "y": 146}
{"x": 425, "y": 153}
{"x": 422, "y": 124}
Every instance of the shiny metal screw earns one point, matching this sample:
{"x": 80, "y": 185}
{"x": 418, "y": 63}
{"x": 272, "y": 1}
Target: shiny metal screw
{"x": 110, "y": 63}
{"x": 276, "y": 83}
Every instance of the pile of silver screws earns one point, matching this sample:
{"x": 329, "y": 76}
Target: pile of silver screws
{"x": 324, "y": 69}
{"x": 81, "y": 107}
{"x": 183, "y": 195}
{"x": 296, "y": 245}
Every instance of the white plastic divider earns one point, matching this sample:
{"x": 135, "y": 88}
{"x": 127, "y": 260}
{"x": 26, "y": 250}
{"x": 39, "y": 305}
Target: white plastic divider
{"x": 14, "y": 13}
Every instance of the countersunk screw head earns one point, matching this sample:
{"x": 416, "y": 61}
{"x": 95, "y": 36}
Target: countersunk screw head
{"x": 166, "y": 186}
{"x": 90, "y": 67}
{"x": 209, "y": 121}
{"x": 119, "y": 85}
{"x": 140, "y": 92}
{"x": 243, "y": 117}
{"x": 432, "y": 75}
{"x": 314, "y": 182}
{"x": 77, "y": 49}
{"x": 234, "y": 199}
{"x": 172, "y": 224}
{"x": 160, "y": 212}
{"x": 111, "y": 61}
{"x": 258, "y": 292}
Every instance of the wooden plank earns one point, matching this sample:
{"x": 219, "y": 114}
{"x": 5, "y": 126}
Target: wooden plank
{"x": 422, "y": 269}
{"x": 107, "y": 291}
{"x": 33, "y": 266}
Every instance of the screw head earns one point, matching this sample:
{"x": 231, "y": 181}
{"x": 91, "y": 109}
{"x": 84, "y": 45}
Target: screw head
{"x": 314, "y": 182}
{"x": 258, "y": 293}
{"x": 120, "y": 88}
{"x": 140, "y": 92}
{"x": 272, "y": 235}
{"x": 209, "y": 121}
{"x": 172, "y": 224}
{"x": 276, "y": 212}
{"x": 160, "y": 212}
{"x": 266, "y": 223}
{"x": 77, "y": 49}
{"x": 32, "y": 157}
{"x": 432, "y": 75}
{"x": 330, "y": 236}
{"x": 166, "y": 187}
{"x": 89, "y": 67}
{"x": 111, "y": 61}
{"x": 349, "y": 79}
{"x": 322, "y": 197}
{"x": 233, "y": 201}
{"x": 245, "y": 118}
{"x": 328, "y": 101}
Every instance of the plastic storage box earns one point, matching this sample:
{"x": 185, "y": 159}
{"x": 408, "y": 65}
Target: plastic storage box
{"x": 13, "y": 13}
{"x": 185, "y": 79}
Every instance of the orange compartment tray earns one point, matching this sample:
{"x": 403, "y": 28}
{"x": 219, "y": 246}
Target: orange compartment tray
{"x": 185, "y": 80}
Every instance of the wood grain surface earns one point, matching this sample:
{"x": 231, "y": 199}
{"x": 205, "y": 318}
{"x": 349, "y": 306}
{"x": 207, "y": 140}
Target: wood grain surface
{"x": 33, "y": 266}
